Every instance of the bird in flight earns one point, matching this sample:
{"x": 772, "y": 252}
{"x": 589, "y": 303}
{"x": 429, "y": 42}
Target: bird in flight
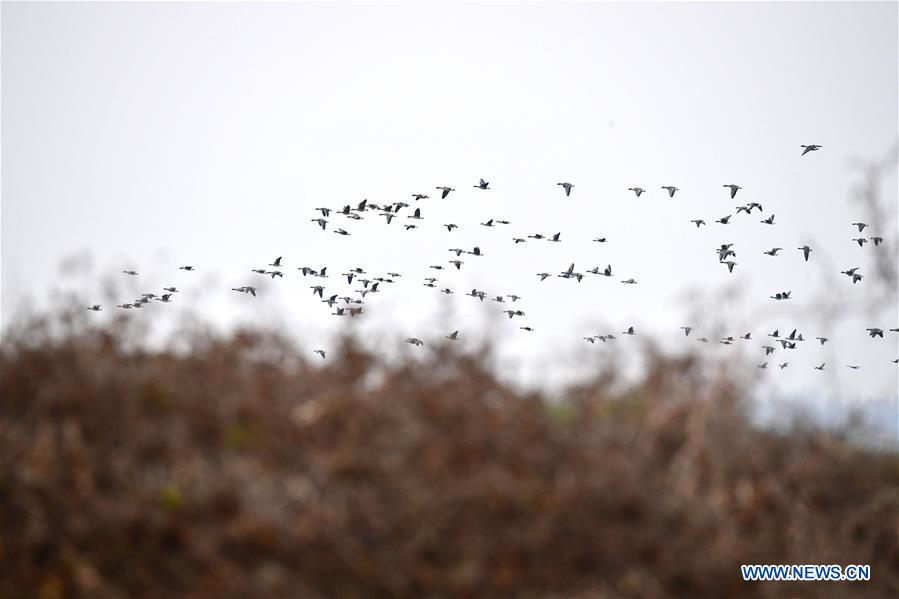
{"x": 861, "y": 241}
{"x": 414, "y": 341}
{"x": 698, "y": 222}
{"x": 95, "y": 308}
{"x": 188, "y": 267}
{"x": 806, "y": 250}
{"x": 861, "y": 226}
{"x": 482, "y": 184}
{"x": 733, "y": 189}
{"x": 277, "y": 262}
{"x": 567, "y": 187}
{"x": 768, "y": 221}
{"x": 773, "y": 251}
{"x": 724, "y": 220}
{"x": 809, "y": 148}
{"x": 686, "y": 331}
{"x": 451, "y": 226}
{"x": 820, "y": 367}
{"x": 130, "y": 272}
{"x": 454, "y": 336}
{"x": 671, "y": 189}
{"x": 445, "y": 191}
{"x": 637, "y": 190}
{"x": 320, "y": 352}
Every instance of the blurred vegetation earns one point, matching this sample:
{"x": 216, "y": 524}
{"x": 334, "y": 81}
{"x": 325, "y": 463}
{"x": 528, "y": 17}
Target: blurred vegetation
{"x": 240, "y": 467}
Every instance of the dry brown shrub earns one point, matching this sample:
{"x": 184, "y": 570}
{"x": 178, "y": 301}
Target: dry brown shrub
{"x": 242, "y": 469}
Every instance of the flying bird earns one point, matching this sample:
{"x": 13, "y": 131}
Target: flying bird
{"x": 567, "y": 187}
{"x": 809, "y": 148}
{"x": 482, "y": 184}
{"x": 245, "y": 289}
{"x": 445, "y": 191}
{"x": 806, "y": 250}
{"x": 637, "y": 190}
{"x": 733, "y": 189}
{"x": 671, "y": 189}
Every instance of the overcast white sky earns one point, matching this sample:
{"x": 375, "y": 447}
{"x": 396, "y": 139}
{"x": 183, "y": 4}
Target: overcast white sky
{"x": 147, "y": 136}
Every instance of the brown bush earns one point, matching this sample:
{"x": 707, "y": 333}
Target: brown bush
{"x": 241, "y": 469}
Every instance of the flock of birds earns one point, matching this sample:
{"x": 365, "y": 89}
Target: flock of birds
{"x": 353, "y": 303}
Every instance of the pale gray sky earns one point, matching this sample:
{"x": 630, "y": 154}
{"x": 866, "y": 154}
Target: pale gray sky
{"x": 156, "y": 134}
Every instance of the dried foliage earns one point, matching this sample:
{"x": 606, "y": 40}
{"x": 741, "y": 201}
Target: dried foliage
{"x": 240, "y": 468}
